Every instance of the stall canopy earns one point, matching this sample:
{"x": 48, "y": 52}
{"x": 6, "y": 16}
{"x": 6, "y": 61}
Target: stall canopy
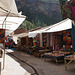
{"x": 10, "y": 19}
{"x": 34, "y": 33}
{"x": 8, "y": 6}
{"x": 11, "y": 24}
{"x": 63, "y": 25}
{"x": 16, "y": 36}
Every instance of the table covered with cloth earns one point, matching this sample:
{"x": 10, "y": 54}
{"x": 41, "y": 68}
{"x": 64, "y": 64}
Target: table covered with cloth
{"x": 56, "y": 56}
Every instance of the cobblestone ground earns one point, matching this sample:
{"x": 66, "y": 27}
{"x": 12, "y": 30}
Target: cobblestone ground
{"x": 42, "y": 67}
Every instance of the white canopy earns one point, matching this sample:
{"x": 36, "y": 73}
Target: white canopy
{"x": 8, "y": 6}
{"x": 12, "y": 23}
{"x": 9, "y": 16}
{"x": 34, "y": 33}
{"x": 63, "y": 25}
{"x": 16, "y": 36}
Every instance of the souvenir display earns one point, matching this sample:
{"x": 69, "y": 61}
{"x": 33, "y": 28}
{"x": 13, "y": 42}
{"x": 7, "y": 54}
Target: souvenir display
{"x": 2, "y": 35}
{"x": 44, "y": 37}
{"x": 68, "y": 9}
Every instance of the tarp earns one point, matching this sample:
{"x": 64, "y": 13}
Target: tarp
{"x": 63, "y": 25}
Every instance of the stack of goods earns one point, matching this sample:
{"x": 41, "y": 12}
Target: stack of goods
{"x": 2, "y": 35}
{"x": 67, "y": 38}
{"x": 38, "y": 40}
{"x": 44, "y": 39}
{"x": 36, "y": 44}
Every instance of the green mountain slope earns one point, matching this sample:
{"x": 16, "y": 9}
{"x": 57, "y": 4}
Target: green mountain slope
{"x": 40, "y": 12}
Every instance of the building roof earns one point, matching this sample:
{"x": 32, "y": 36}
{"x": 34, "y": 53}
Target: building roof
{"x": 20, "y": 30}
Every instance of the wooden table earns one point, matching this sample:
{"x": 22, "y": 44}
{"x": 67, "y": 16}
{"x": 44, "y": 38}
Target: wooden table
{"x": 41, "y": 52}
{"x": 54, "y": 56}
{"x": 57, "y": 56}
{"x": 70, "y": 58}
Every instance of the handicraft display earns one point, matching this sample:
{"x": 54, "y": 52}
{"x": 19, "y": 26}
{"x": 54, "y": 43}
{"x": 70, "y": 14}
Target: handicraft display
{"x": 67, "y": 38}
{"x": 2, "y": 35}
{"x": 67, "y": 9}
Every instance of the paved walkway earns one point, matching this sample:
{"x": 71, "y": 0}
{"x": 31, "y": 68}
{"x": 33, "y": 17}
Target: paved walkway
{"x": 12, "y": 67}
{"x": 16, "y": 67}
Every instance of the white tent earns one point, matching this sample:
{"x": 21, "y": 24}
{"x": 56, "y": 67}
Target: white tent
{"x": 63, "y": 25}
{"x": 16, "y": 36}
{"x": 12, "y": 23}
{"x": 8, "y": 6}
{"x": 34, "y": 33}
{"x": 10, "y": 19}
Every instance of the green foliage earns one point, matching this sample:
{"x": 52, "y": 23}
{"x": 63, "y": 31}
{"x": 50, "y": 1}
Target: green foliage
{"x": 39, "y": 13}
{"x": 28, "y": 25}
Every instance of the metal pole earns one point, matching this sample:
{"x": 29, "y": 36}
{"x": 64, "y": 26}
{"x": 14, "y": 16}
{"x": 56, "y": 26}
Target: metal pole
{"x": 4, "y": 48}
{"x": 0, "y": 68}
{"x": 5, "y": 19}
{"x": 4, "y": 41}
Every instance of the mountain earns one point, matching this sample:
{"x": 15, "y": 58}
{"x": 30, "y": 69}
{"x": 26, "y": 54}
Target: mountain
{"x": 40, "y": 12}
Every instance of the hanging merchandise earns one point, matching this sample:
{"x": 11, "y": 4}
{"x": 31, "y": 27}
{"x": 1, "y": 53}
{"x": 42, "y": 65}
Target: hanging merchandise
{"x": 67, "y": 40}
{"x": 73, "y": 12}
{"x": 34, "y": 43}
{"x": 67, "y": 9}
{"x": 44, "y": 39}
{"x": 38, "y": 40}
{"x": 2, "y": 35}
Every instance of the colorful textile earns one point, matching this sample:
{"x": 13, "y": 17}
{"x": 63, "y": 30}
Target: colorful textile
{"x": 66, "y": 7}
{"x": 73, "y": 12}
{"x": 34, "y": 41}
{"x": 67, "y": 40}
{"x": 2, "y": 35}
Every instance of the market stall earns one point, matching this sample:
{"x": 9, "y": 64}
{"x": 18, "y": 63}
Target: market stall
{"x": 10, "y": 19}
{"x": 62, "y": 39}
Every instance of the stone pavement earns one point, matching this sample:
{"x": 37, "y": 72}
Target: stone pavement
{"x": 12, "y": 67}
{"x": 42, "y": 67}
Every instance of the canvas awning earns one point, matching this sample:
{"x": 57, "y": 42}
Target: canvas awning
{"x": 34, "y": 33}
{"x": 63, "y": 25}
{"x": 12, "y": 23}
{"x": 16, "y": 36}
{"x": 10, "y": 19}
{"x": 23, "y": 35}
{"x": 8, "y": 6}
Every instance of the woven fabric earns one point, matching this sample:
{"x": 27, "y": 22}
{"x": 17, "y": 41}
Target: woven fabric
{"x": 73, "y": 12}
{"x": 2, "y": 35}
